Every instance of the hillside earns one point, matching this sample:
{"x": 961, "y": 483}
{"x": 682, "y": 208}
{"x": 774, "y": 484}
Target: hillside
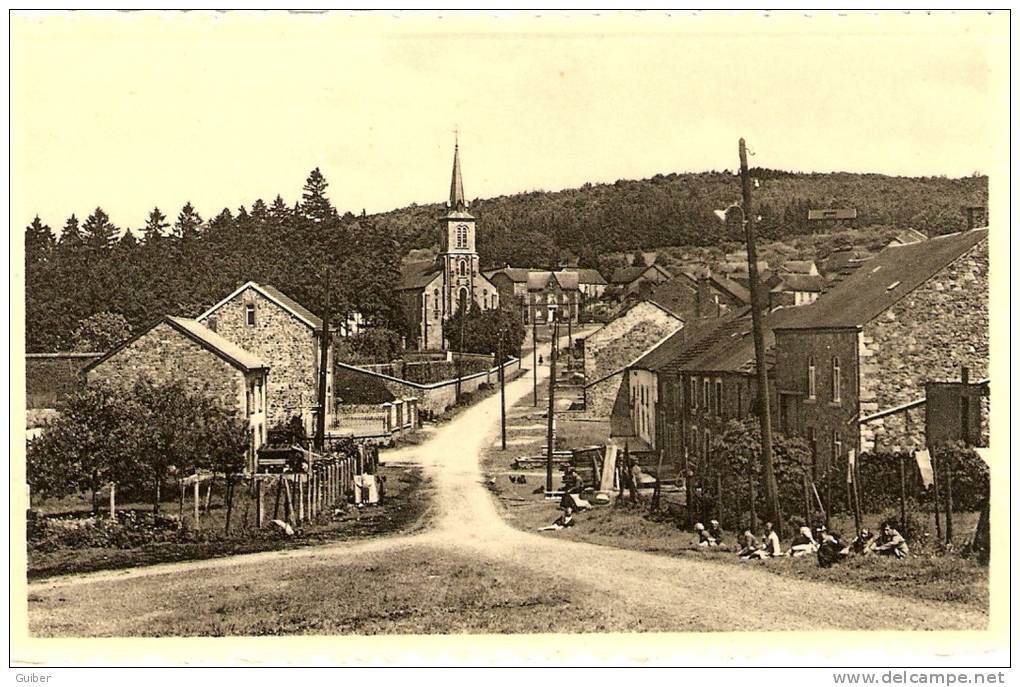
{"x": 676, "y": 210}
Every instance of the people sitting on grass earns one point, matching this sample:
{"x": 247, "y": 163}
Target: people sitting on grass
{"x": 803, "y": 543}
{"x": 863, "y": 542}
{"x": 573, "y": 488}
{"x": 749, "y": 545}
{"x": 715, "y": 531}
{"x": 890, "y": 543}
{"x": 566, "y": 519}
{"x": 771, "y": 548}
{"x": 704, "y": 538}
{"x": 831, "y": 549}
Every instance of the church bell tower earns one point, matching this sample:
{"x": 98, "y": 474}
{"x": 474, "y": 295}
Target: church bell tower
{"x": 457, "y": 255}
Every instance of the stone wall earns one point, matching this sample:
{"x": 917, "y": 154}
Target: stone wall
{"x": 437, "y": 398}
{"x": 600, "y": 397}
{"x": 926, "y": 337}
{"x": 165, "y": 355}
{"x": 283, "y": 342}
{"x": 620, "y": 342}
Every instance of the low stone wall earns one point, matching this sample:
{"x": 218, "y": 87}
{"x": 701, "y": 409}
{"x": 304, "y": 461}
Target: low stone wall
{"x": 436, "y": 398}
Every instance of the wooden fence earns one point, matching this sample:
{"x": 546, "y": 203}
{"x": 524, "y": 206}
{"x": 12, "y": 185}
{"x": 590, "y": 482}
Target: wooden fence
{"x": 326, "y": 481}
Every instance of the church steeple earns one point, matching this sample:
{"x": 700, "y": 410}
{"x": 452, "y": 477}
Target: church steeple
{"x": 457, "y": 201}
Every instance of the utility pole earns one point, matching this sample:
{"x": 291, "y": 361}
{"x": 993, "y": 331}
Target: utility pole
{"x": 534, "y": 355}
{"x": 320, "y": 419}
{"x": 502, "y": 390}
{"x": 552, "y": 396}
{"x": 764, "y": 412}
{"x": 570, "y": 338}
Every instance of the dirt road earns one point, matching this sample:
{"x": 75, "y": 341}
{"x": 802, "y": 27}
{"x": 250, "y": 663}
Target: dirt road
{"x": 631, "y": 590}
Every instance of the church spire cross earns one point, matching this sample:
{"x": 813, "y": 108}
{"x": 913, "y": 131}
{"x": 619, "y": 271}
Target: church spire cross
{"x": 457, "y": 201}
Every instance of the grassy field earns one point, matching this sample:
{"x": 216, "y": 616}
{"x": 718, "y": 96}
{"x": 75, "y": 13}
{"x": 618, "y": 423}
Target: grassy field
{"x": 945, "y": 578}
{"x": 407, "y": 499}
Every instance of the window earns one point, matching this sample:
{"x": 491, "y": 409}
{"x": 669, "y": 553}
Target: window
{"x": 706, "y": 399}
{"x": 249, "y": 403}
{"x": 718, "y": 397}
{"x": 835, "y": 379}
{"x": 435, "y": 302}
{"x": 708, "y": 443}
{"x": 837, "y": 448}
{"x": 249, "y": 314}
{"x": 811, "y": 377}
{"x": 694, "y": 393}
{"x": 462, "y": 236}
{"x": 463, "y": 268}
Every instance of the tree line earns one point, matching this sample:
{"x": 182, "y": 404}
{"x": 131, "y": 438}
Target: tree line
{"x": 184, "y": 265}
{"x": 181, "y": 267}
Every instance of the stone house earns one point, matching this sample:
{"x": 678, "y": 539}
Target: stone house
{"x": 610, "y": 350}
{"x": 553, "y": 296}
{"x": 913, "y": 314}
{"x": 181, "y": 350}
{"x": 263, "y": 320}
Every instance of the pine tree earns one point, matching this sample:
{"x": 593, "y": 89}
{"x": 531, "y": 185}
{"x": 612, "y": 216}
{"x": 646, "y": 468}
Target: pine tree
{"x": 188, "y": 223}
{"x": 259, "y": 211}
{"x": 155, "y": 226}
{"x": 71, "y": 237}
{"x": 39, "y": 241}
{"x": 100, "y": 233}
{"x": 315, "y": 206}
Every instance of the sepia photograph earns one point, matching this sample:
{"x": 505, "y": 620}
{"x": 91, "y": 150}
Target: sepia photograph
{"x": 558, "y": 337}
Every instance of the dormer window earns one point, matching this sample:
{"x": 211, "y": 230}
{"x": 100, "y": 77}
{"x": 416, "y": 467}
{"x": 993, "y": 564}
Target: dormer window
{"x": 249, "y": 315}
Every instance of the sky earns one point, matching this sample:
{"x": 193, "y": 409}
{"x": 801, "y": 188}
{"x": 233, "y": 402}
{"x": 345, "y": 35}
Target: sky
{"x": 129, "y": 111}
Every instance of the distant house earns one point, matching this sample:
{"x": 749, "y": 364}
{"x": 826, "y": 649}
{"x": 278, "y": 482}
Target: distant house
{"x": 797, "y": 289}
{"x": 832, "y": 217}
{"x": 591, "y": 282}
{"x": 553, "y": 296}
{"x": 263, "y": 320}
{"x": 177, "y": 349}
{"x": 807, "y": 267}
{"x": 630, "y": 281}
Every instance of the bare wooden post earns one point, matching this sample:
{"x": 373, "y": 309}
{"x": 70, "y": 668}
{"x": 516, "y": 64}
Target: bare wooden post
{"x": 288, "y": 503}
{"x": 301, "y": 498}
{"x": 196, "y": 488}
{"x": 113, "y": 500}
{"x": 260, "y": 513}
{"x": 750, "y": 484}
{"x": 658, "y": 484}
{"x": 208, "y": 496}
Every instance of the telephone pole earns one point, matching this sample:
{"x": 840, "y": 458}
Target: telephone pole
{"x": 534, "y": 356}
{"x": 320, "y": 418}
{"x": 502, "y": 390}
{"x": 552, "y": 401}
{"x": 764, "y": 412}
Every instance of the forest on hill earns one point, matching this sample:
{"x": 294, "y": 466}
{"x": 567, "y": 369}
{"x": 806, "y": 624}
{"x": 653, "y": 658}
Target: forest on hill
{"x": 537, "y": 227}
{"x": 94, "y": 269}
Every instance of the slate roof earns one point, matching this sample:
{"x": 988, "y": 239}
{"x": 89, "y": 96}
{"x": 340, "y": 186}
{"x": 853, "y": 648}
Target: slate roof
{"x": 200, "y": 334}
{"x": 738, "y": 291}
{"x": 814, "y": 283}
{"x": 417, "y": 274}
{"x": 881, "y": 282}
{"x": 518, "y": 275}
{"x": 798, "y": 266}
{"x": 587, "y": 275}
{"x": 625, "y": 275}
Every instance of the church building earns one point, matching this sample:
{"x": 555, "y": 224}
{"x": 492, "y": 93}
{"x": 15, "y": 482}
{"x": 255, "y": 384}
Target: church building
{"x": 431, "y": 291}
